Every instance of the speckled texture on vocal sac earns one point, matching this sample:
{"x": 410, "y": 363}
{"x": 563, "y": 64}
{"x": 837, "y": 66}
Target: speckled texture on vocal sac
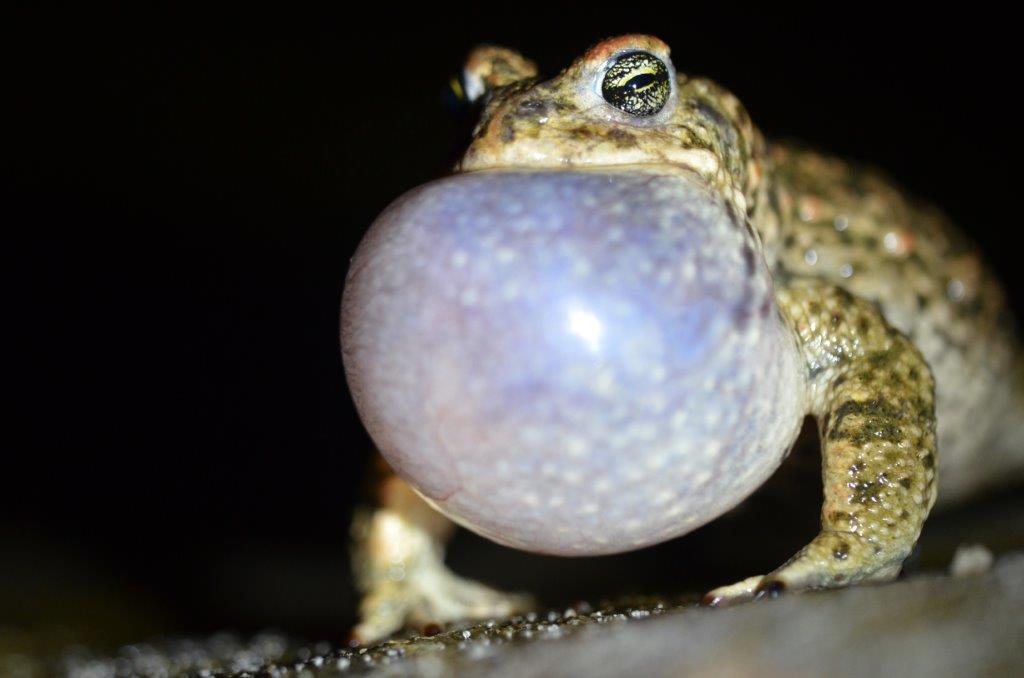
{"x": 559, "y": 378}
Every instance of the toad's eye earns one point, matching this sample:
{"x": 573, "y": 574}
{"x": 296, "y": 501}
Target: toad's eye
{"x": 637, "y": 83}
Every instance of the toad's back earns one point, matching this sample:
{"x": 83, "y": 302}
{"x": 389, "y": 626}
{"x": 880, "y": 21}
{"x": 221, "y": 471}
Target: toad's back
{"x": 852, "y": 228}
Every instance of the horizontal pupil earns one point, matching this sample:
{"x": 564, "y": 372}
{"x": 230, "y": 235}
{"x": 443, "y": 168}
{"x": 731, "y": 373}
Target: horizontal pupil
{"x": 641, "y": 82}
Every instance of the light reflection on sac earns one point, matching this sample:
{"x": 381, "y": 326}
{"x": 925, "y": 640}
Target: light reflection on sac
{"x": 553, "y": 358}
{"x": 586, "y": 326}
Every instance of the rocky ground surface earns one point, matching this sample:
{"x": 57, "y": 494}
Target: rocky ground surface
{"x": 968, "y": 621}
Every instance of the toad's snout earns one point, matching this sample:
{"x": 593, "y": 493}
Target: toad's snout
{"x": 569, "y": 362}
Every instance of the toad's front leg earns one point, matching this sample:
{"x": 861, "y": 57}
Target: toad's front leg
{"x": 873, "y": 395}
{"x": 398, "y": 558}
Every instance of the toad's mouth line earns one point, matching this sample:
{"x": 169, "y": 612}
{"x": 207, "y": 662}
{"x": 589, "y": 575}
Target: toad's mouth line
{"x": 704, "y": 172}
{"x": 702, "y": 161}
{"x": 652, "y": 170}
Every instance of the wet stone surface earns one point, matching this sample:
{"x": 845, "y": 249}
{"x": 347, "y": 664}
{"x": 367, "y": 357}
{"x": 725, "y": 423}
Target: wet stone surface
{"x": 937, "y": 625}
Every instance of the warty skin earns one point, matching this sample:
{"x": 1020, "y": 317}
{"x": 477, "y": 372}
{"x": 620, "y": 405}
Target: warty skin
{"x": 882, "y": 322}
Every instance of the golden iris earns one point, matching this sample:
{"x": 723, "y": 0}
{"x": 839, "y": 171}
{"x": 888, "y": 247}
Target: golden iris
{"x": 637, "y": 83}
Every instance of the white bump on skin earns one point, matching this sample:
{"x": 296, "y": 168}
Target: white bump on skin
{"x": 580, "y": 268}
{"x": 604, "y": 384}
{"x": 656, "y": 463}
{"x": 572, "y": 477}
{"x": 459, "y": 259}
{"x": 634, "y": 474}
{"x": 891, "y": 241}
{"x": 511, "y": 290}
{"x": 577, "y": 447}
{"x": 664, "y": 497}
{"x": 955, "y": 289}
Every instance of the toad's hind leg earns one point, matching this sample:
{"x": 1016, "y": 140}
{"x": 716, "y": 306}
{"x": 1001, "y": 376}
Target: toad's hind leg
{"x": 873, "y": 395}
{"x": 398, "y": 561}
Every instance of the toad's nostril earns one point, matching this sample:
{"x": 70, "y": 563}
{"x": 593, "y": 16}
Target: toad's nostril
{"x": 522, "y": 346}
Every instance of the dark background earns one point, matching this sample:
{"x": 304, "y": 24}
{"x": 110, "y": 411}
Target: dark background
{"x": 181, "y": 194}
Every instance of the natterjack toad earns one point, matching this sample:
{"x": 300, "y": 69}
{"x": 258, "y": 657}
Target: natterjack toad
{"x": 605, "y": 329}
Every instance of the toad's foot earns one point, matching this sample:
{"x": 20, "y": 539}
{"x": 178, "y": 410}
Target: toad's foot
{"x": 832, "y": 560}
{"x": 873, "y": 395}
{"x": 398, "y": 557}
{"x": 433, "y": 595}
